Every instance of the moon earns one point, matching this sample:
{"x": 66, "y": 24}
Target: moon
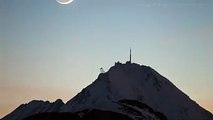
{"x": 64, "y": 2}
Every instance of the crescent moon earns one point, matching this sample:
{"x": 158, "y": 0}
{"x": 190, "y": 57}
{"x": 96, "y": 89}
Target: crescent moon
{"x": 64, "y": 2}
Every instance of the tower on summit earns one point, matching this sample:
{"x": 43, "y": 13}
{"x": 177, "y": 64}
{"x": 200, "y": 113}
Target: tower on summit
{"x": 130, "y": 56}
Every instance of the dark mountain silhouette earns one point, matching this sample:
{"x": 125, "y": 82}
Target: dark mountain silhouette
{"x": 126, "y": 91}
{"x": 34, "y": 107}
{"x": 83, "y": 115}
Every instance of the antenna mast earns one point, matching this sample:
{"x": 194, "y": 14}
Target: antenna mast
{"x": 130, "y": 56}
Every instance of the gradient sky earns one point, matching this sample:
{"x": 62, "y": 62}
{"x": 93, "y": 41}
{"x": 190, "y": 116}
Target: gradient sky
{"x": 50, "y": 51}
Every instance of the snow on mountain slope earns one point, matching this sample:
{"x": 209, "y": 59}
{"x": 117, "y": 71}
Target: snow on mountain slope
{"x": 126, "y": 90}
{"x": 34, "y": 107}
{"x": 131, "y": 81}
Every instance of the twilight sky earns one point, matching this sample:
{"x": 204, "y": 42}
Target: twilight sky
{"x": 50, "y": 51}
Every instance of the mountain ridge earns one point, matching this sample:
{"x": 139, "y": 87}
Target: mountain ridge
{"x": 136, "y": 91}
{"x": 34, "y": 107}
{"x": 138, "y": 82}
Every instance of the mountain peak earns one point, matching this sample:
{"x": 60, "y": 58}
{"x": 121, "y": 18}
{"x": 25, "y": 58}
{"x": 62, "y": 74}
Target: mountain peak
{"x": 59, "y": 101}
{"x": 131, "y": 81}
{"x": 130, "y": 78}
{"x": 34, "y": 107}
{"x": 129, "y": 89}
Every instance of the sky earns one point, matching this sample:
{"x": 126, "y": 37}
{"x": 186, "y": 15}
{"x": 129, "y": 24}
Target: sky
{"x": 50, "y": 51}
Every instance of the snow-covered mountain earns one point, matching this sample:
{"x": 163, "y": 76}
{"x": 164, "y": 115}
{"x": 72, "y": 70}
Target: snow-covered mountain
{"x": 137, "y": 86}
{"x": 34, "y": 107}
{"x": 127, "y": 90}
